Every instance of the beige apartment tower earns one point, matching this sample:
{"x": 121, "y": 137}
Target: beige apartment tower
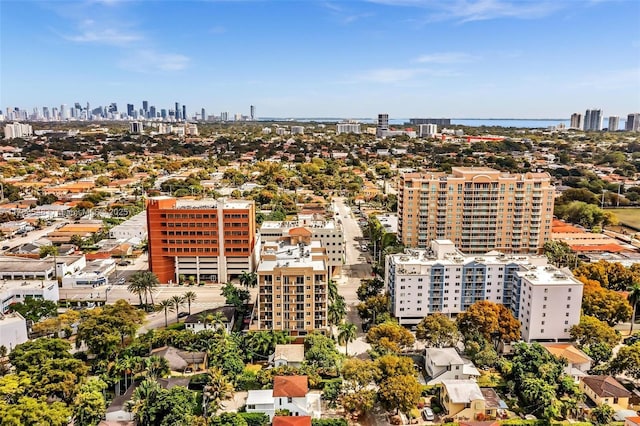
{"x": 292, "y": 285}
{"x": 478, "y": 208}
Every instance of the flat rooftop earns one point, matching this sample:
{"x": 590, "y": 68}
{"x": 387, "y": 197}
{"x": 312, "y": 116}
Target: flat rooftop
{"x": 9, "y": 285}
{"x": 212, "y": 204}
{"x": 548, "y": 275}
{"x": 291, "y": 256}
{"x": 324, "y": 224}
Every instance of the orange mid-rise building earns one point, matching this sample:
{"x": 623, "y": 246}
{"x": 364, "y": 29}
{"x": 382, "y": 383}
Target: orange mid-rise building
{"x": 209, "y": 240}
{"x": 478, "y": 208}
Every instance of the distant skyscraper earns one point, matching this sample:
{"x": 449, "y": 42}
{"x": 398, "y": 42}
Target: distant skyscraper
{"x": 130, "y": 110}
{"x": 63, "y": 112}
{"x": 113, "y": 108}
{"x": 633, "y": 122}
{"x": 593, "y": 120}
{"x": 383, "y": 124}
{"x": 45, "y": 113}
{"x": 576, "y": 121}
{"x": 203, "y": 117}
{"x": 145, "y": 108}
{"x": 252, "y": 113}
{"x": 177, "y": 111}
{"x": 614, "y": 123}
{"x": 184, "y": 112}
{"x": 163, "y": 113}
{"x": 152, "y": 112}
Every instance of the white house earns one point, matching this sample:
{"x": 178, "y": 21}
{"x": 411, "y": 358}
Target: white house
{"x": 13, "y": 330}
{"x": 445, "y": 363}
{"x": 290, "y": 355}
{"x": 208, "y": 320}
{"x": 288, "y": 393}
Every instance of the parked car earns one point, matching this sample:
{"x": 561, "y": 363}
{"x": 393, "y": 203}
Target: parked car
{"x": 124, "y": 263}
{"x": 632, "y": 339}
{"x": 427, "y": 414}
{"x": 183, "y": 314}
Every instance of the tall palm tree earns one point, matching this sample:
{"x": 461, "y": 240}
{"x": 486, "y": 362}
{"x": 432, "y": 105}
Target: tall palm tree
{"x": 144, "y": 282}
{"x": 167, "y": 306}
{"x": 347, "y": 333}
{"x": 249, "y": 279}
{"x": 217, "y": 389}
{"x": 332, "y": 289}
{"x": 337, "y": 311}
{"x": 136, "y": 287}
{"x": 189, "y": 297}
{"x": 177, "y": 302}
{"x": 634, "y": 298}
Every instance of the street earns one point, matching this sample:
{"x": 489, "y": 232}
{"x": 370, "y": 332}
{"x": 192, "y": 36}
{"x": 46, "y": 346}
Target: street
{"x": 356, "y": 267}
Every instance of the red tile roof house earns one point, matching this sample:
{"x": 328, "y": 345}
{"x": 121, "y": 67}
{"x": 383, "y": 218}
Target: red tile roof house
{"x": 292, "y": 421}
{"x": 289, "y": 393}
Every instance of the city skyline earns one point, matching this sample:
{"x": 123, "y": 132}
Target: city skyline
{"x": 484, "y": 59}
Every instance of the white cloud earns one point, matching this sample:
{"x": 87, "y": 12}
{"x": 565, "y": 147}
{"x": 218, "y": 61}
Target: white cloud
{"x": 91, "y": 31}
{"x": 479, "y": 10}
{"x": 148, "y": 61}
{"x": 445, "y": 58}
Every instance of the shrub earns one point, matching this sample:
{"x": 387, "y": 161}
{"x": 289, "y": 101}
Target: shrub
{"x": 328, "y": 422}
{"x": 255, "y": 419}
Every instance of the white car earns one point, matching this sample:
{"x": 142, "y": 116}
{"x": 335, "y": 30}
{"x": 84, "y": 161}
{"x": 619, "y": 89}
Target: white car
{"x": 427, "y": 414}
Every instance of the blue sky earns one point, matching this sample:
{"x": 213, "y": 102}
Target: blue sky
{"x": 306, "y": 58}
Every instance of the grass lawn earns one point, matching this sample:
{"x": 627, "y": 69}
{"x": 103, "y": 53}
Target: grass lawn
{"x": 629, "y": 217}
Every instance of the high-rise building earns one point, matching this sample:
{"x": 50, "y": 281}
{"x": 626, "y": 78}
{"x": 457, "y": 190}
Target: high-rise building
{"x": 382, "y": 125}
{"x": 593, "y": 120}
{"x": 113, "y": 108}
{"x": 478, "y": 208}
{"x": 350, "y": 127}
{"x": 130, "y": 110}
{"x": 203, "y": 116}
{"x": 633, "y": 122}
{"x": 252, "y": 113}
{"x": 63, "y": 112}
{"x": 136, "y": 127}
{"x": 184, "y": 112}
{"x": 614, "y": 123}
{"x": 427, "y": 130}
{"x": 576, "y": 121}
{"x": 177, "y": 111}
{"x": 545, "y": 300}
{"x": 212, "y": 240}
{"x": 17, "y": 130}
{"x": 163, "y": 113}
{"x": 292, "y": 285}
{"x": 437, "y": 121}
{"x": 328, "y": 232}
{"x": 152, "y": 112}
{"x": 145, "y": 108}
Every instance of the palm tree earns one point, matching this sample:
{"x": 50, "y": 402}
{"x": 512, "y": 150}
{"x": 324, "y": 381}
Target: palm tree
{"x": 156, "y": 367}
{"x": 217, "y": 389}
{"x": 146, "y": 282}
{"x": 634, "y": 298}
{"x": 249, "y": 279}
{"x": 347, "y": 333}
{"x": 136, "y": 287}
{"x": 142, "y": 402}
{"x": 167, "y": 306}
{"x": 189, "y": 297}
{"x": 332, "y": 289}
{"x": 337, "y": 311}
{"x": 177, "y": 301}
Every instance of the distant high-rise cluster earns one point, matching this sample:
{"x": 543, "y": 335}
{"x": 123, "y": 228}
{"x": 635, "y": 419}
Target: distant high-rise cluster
{"x": 147, "y": 111}
{"x": 593, "y": 121}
